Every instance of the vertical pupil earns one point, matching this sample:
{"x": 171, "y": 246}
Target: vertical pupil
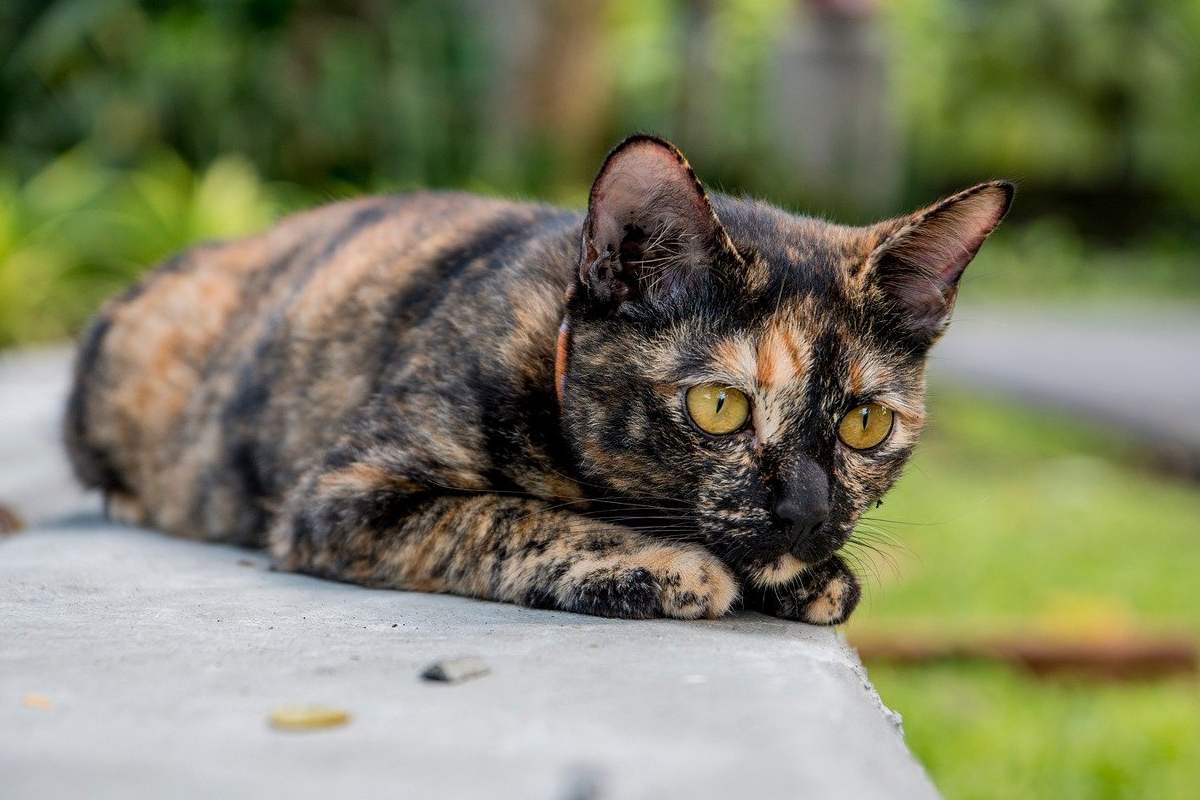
{"x": 865, "y": 414}
{"x": 720, "y": 401}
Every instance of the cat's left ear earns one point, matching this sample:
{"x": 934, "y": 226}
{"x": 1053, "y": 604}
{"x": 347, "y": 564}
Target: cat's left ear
{"x": 918, "y": 263}
{"x": 650, "y": 228}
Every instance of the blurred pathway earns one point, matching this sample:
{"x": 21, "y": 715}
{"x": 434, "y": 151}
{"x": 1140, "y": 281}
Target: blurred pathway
{"x": 34, "y": 474}
{"x": 1138, "y": 370}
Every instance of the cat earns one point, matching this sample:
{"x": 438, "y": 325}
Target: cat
{"x": 673, "y": 404}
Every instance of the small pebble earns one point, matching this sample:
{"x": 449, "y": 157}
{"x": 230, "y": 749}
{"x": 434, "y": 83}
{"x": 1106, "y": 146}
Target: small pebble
{"x": 305, "y": 718}
{"x": 455, "y": 670}
{"x": 9, "y": 521}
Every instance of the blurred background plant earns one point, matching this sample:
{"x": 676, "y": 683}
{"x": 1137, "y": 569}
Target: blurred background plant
{"x": 130, "y": 129}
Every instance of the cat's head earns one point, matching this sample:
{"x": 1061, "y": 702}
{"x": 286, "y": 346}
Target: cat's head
{"x": 763, "y": 372}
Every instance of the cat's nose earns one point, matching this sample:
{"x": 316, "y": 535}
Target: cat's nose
{"x": 802, "y": 508}
{"x": 801, "y": 520}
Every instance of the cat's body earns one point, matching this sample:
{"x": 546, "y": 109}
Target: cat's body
{"x": 378, "y": 391}
{"x": 234, "y": 366}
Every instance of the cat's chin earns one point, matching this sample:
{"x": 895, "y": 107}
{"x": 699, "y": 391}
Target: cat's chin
{"x": 783, "y": 569}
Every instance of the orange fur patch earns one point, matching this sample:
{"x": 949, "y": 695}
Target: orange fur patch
{"x": 561, "y": 352}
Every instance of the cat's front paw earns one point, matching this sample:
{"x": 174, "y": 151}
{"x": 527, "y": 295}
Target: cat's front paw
{"x": 681, "y": 581}
{"x": 822, "y": 595}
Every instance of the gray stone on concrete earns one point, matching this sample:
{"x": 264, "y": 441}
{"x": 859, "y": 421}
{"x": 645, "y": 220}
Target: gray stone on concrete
{"x": 163, "y": 658}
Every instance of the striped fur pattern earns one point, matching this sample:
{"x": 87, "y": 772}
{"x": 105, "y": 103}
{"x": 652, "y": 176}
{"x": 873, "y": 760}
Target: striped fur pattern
{"x": 446, "y": 393}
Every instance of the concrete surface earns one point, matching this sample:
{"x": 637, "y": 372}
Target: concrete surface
{"x": 133, "y": 665}
{"x": 162, "y": 659}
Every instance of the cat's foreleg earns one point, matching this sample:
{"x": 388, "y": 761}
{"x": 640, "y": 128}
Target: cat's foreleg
{"x": 496, "y": 547}
{"x": 824, "y": 594}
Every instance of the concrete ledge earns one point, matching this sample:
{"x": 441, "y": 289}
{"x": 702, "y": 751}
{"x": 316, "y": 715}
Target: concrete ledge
{"x": 163, "y": 658}
{"x": 160, "y": 661}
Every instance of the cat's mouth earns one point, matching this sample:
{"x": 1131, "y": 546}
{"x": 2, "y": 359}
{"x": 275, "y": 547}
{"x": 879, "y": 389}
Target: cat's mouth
{"x": 784, "y": 569}
{"x": 789, "y": 563}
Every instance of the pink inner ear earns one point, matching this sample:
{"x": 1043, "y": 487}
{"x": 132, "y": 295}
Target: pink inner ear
{"x": 919, "y": 265}
{"x": 647, "y": 184}
{"x": 940, "y": 243}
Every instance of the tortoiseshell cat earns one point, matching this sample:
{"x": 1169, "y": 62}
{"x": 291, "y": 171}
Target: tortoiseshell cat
{"x": 654, "y": 409}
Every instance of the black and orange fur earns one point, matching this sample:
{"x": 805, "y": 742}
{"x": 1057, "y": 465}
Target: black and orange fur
{"x": 446, "y": 393}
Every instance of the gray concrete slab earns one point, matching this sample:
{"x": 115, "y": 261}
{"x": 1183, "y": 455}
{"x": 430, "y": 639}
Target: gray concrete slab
{"x": 161, "y": 660}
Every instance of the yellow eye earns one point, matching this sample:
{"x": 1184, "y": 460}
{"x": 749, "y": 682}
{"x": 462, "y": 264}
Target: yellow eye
{"x": 865, "y": 426}
{"x": 717, "y": 409}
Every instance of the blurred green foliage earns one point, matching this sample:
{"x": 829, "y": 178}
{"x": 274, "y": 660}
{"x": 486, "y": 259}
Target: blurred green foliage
{"x": 1077, "y": 98}
{"x": 1090, "y": 103}
{"x": 76, "y": 232}
{"x": 128, "y": 129}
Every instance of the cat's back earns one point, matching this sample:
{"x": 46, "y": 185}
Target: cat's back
{"x": 288, "y": 330}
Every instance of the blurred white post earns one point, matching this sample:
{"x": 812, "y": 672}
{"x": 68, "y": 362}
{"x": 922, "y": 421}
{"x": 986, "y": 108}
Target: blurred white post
{"x": 832, "y": 120}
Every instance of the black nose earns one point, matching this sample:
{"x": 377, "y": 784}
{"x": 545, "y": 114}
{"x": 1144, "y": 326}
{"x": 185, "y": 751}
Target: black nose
{"x": 803, "y": 520}
{"x": 802, "y": 507}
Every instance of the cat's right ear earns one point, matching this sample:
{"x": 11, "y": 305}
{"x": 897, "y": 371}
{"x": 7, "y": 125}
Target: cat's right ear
{"x": 650, "y": 229}
{"x": 921, "y": 257}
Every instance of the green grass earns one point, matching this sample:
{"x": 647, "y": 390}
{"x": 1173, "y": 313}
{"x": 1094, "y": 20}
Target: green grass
{"x": 1019, "y": 521}
{"x": 987, "y": 732}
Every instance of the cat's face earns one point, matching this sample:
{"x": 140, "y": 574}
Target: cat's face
{"x": 755, "y": 378}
